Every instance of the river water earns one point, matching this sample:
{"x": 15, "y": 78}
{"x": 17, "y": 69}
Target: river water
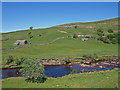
{"x": 54, "y": 71}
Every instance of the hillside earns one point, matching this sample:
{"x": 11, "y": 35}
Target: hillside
{"x": 66, "y": 46}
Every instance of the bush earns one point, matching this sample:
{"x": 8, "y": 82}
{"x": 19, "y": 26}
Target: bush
{"x": 114, "y": 41}
{"x": 31, "y": 28}
{"x": 99, "y": 38}
{"x": 100, "y": 34}
{"x": 9, "y": 60}
{"x": 36, "y": 80}
{"x": 75, "y": 36}
{"x": 99, "y": 30}
{"x": 74, "y": 71}
{"x": 22, "y": 59}
{"x": 31, "y": 37}
{"x": 106, "y": 40}
{"x": 67, "y": 60}
{"x": 75, "y": 27}
{"x": 29, "y": 33}
{"x": 110, "y": 30}
{"x": 81, "y": 61}
{"x": 33, "y": 70}
{"x": 17, "y": 62}
{"x": 111, "y": 36}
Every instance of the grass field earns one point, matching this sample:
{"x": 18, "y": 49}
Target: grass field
{"x": 62, "y": 47}
{"x": 102, "y": 79}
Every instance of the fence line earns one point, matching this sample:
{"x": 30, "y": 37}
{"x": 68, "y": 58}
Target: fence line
{"x": 34, "y": 44}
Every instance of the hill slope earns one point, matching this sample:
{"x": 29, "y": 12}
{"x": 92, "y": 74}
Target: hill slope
{"x": 63, "y": 47}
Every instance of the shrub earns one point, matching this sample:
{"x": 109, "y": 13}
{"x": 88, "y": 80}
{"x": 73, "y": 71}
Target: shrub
{"x": 114, "y": 41}
{"x": 33, "y": 70}
{"x": 67, "y": 60}
{"x": 100, "y": 34}
{"x": 99, "y": 30}
{"x": 9, "y": 60}
{"x": 29, "y": 33}
{"x": 36, "y": 80}
{"x": 74, "y": 71}
{"x": 31, "y": 28}
{"x": 110, "y": 30}
{"x": 17, "y": 62}
{"x": 22, "y": 59}
{"x": 81, "y": 61}
{"x": 106, "y": 40}
{"x": 31, "y": 37}
{"x": 76, "y": 27}
{"x": 75, "y": 36}
{"x": 111, "y": 36}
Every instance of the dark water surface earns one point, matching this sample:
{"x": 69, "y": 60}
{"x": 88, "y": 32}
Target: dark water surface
{"x": 54, "y": 71}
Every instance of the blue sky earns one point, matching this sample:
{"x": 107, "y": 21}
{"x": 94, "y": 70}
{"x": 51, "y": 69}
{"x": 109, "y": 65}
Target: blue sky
{"x": 21, "y": 15}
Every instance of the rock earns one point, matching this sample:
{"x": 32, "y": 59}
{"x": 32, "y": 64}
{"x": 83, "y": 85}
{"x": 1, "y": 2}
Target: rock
{"x": 102, "y": 67}
{"x": 84, "y": 65}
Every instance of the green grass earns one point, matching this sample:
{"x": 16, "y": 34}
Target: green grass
{"x": 102, "y": 79}
{"x": 62, "y": 47}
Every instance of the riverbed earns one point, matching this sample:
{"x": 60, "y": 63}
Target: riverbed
{"x": 55, "y": 71}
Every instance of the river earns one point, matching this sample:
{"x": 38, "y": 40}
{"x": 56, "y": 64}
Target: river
{"x": 54, "y": 71}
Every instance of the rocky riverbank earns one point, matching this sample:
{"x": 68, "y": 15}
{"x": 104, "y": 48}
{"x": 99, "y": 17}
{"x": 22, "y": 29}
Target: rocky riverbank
{"x": 100, "y": 63}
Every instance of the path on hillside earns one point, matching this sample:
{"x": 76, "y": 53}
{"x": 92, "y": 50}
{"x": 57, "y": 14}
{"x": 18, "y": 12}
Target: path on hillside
{"x": 34, "y": 44}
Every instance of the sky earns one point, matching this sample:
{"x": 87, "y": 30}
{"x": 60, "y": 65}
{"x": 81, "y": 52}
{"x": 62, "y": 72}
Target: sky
{"x": 21, "y": 15}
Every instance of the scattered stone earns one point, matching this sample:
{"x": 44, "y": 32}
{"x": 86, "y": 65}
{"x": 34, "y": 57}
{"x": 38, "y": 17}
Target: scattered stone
{"x": 84, "y": 39}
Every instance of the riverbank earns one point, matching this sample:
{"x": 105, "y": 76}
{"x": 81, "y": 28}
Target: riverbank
{"x": 101, "y": 63}
{"x": 101, "y": 79}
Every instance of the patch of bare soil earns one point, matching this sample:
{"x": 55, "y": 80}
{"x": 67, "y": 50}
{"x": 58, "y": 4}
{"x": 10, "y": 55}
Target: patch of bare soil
{"x": 62, "y": 31}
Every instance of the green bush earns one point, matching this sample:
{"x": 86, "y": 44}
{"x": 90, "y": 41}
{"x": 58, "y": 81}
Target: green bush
{"x": 22, "y": 59}
{"x": 106, "y": 40}
{"x": 100, "y": 34}
{"x": 36, "y": 80}
{"x": 9, "y": 60}
{"x": 17, "y": 61}
{"x": 99, "y": 38}
{"x": 110, "y": 30}
{"x": 67, "y": 60}
{"x": 111, "y": 36}
{"x": 81, "y": 61}
{"x": 75, "y": 36}
{"x": 99, "y": 30}
{"x": 31, "y": 28}
{"x": 31, "y": 36}
{"x": 29, "y": 33}
{"x": 74, "y": 71}
{"x": 33, "y": 70}
{"x": 75, "y": 27}
{"x": 114, "y": 41}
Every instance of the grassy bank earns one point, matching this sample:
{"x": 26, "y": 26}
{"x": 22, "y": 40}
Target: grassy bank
{"x": 102, "y": 79}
